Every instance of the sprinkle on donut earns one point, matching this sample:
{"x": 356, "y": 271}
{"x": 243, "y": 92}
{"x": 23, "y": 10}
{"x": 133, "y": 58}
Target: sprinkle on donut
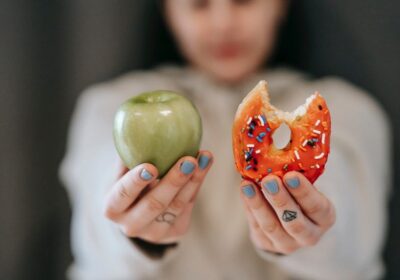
{"x": 255, "y": 122}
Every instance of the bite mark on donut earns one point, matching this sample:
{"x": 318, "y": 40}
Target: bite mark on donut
{"x": 257, "y": 144}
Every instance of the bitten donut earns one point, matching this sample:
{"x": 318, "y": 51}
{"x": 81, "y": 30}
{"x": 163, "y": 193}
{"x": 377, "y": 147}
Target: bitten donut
{"x": 255, "y": 122}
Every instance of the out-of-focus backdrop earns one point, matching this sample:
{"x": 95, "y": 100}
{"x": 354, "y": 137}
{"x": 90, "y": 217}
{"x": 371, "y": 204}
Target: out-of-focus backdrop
{"x": 51, "y": 50}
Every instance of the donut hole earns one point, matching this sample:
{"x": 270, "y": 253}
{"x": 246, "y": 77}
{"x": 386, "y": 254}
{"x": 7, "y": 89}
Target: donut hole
{"x": 281, "y": 136}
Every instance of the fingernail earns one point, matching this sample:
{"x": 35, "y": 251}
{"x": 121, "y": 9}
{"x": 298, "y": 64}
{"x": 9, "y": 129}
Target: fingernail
{"x": 293, "y": 182}
{"x": 146, "y": 175}
{"x": 271, "y": 186}
{"x": 248, "y": 191}
{"x": 203, "y": 161}
{"x": 187, "y": 167}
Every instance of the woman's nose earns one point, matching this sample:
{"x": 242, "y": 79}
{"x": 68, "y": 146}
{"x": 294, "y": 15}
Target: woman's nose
{"x": 222, "y": 17}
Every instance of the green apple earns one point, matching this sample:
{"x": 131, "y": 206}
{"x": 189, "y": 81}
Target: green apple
{"x": 157, "y": 127}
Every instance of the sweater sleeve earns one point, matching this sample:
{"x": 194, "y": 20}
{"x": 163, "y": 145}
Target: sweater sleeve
{"x": 88, "y": 169}
{"x": 358, "y": 181}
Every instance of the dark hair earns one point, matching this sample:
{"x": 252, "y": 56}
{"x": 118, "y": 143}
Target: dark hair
{"x": 160, "y": 46}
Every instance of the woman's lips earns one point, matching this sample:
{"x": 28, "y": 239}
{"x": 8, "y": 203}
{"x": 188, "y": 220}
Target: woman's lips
{"x": 227, "y": 51}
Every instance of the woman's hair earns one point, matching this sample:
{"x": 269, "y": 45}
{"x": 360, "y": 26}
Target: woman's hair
{"x": 160, "y": 47}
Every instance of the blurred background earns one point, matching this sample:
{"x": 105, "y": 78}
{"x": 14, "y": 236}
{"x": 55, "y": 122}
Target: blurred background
{"x": 51, "y": 50}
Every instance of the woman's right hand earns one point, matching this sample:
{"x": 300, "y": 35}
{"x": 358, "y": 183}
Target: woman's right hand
{"x": 156, "y": 210}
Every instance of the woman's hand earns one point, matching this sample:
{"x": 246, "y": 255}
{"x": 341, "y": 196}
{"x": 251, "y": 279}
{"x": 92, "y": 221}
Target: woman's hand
{"x": 156, "y": 210}
{"x": 284, "y": 217}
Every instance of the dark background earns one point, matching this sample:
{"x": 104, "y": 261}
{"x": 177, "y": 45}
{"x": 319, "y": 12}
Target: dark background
{"x": 51, "y": 50}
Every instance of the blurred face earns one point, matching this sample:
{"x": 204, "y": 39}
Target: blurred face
{"x": 227, "y": 39}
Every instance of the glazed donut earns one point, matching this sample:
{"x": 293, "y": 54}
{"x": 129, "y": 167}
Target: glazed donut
{"x": 256, "y": 121}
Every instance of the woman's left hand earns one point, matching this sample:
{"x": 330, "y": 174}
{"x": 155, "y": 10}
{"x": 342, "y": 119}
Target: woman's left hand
{"x": 286, "y": 214}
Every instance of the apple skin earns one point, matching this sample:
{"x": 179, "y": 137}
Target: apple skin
{"x": 157, "y": 127}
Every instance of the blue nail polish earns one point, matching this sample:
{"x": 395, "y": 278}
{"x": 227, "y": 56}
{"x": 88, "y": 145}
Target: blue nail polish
{"x": 145, "y": 175}
{"x": 293, "y": 182}
{"x": 271, "y": 186}
{"x": 187, "y": 167}
{"x": 203, "y": 161}
{"x": 248, "y": 191}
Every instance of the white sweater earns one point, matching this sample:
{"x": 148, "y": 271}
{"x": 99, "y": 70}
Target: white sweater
{"x": 217, "y": 245}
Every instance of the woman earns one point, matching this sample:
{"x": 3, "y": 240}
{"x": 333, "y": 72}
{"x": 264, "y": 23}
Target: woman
{"x": 201, "y": 221}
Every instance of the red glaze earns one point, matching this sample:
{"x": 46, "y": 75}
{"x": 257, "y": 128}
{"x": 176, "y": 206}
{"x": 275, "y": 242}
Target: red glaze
{"x": 310, "y": 137}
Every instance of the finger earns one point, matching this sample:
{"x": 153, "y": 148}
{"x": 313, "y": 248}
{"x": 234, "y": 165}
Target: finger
{"x": 205, "y": 160}
{"x": 187, "y": 193}
{"x": 157, "y": 233}
{"x": 182, "y": 222}
{"x": 313, "y": 203}
{"x": 148, "y": 188}
{"x": 291, "y": 217}
{"x": 266, "y": 218}
{"x": 156, "y": 200}
{"x": 153, "y": 184}
{"x": 174, "y": 233}
{"x": 259, "y": 239}
{"x": 127, "y": 188}
{"x": 163, "y": 222}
